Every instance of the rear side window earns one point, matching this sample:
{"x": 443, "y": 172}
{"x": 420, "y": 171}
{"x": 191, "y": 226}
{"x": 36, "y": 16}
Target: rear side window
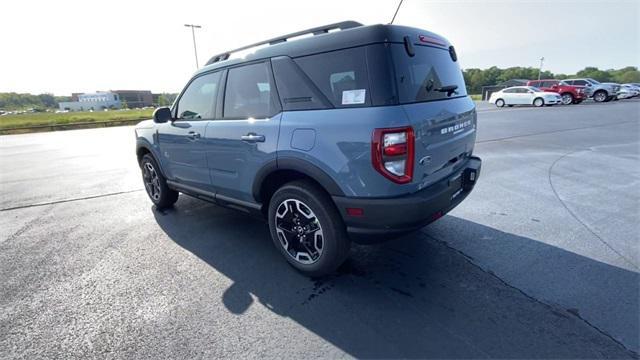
{"x": 248, "y": 93}
{"x": 340, "y": 75}
{"x": 197, "y": 101}
{"x": 296, "y": 91}
{"x": 427, "y": 75}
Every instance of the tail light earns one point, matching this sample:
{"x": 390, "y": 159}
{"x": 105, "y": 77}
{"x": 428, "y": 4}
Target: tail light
{"x": 392, "y": 153}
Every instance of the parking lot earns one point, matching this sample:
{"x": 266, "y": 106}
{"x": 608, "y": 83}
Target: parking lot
{"x": 541, "y": 261}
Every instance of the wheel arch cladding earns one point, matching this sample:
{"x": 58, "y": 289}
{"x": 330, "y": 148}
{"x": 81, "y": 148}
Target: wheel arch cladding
{"x": 283, "y": 170}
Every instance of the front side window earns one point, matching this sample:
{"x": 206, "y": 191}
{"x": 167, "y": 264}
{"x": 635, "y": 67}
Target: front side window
{"x": 248, "y": 93}
{"x": 198, "y": 100}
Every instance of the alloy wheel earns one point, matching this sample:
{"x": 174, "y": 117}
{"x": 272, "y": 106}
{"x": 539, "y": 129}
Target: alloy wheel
{"x": 151, "y": 181}
{"x": 567, "y": 99}
{"x": 299, "y": 231}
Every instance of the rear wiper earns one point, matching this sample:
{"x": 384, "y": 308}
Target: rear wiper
{"x": 449, "y": 89}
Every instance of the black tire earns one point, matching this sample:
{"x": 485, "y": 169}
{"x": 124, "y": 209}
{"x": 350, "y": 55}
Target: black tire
{"x": 289, "y": 235}
{"x": 567, "y": 99}
{"x": 600, "y": 96}
{"x": 576, "y": 102}
{"x": 500, "y": 103}
{"x": 538, "y": 102}
{"x": 156, "y": 185}
{"x": 510, "y": 105}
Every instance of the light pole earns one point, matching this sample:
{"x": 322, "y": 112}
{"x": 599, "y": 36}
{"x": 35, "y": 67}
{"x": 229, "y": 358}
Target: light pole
{"x": 540, "y": 70}
{"x": 193, "y": 33}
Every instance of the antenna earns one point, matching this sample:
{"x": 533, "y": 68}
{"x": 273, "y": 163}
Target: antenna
{"x": 396, "y": 13}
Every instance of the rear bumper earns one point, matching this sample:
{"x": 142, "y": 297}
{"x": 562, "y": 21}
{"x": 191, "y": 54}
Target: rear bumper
{"x": 395, "y": 216}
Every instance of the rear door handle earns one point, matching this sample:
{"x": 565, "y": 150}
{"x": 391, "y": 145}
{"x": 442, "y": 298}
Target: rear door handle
{"x": 251, "y": 137}
{"x": 192, "y": 135}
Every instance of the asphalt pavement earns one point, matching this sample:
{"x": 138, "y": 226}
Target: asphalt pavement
{"x": 542, "y": 260}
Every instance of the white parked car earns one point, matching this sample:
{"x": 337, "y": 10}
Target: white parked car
{"x": 524, "y": 95}
{"x": 632, "y": 89}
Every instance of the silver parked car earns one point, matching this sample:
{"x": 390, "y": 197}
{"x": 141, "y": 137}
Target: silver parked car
{"x": 600, "y": 92}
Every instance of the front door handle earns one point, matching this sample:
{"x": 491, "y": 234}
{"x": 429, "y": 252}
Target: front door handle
{"x": 252, "y": 137}
{"x": 192, "y": 135}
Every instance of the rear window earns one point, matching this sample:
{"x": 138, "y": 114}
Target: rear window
{"x": 425, "y": 76}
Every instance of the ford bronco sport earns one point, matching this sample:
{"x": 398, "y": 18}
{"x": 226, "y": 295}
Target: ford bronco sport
{"x": 339, "y": 136}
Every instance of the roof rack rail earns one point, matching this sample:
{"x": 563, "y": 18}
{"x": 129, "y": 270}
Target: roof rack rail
{"x": 315, "y": 31}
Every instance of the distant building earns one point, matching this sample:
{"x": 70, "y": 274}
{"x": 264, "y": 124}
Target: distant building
{"x": 135, "y": 98}
{"x": 94, "y": 101}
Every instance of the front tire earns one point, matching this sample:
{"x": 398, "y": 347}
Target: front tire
{"x": 307, "y": 229}
{"x": 567, "y": 99}
{"x": 538, "y": 102}
{"x": 600, "y": 96}
{"x": 500, "y": 103}
{"x": 156, "y": 185}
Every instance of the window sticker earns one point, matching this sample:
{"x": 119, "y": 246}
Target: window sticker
{"x": 350, "y": 97}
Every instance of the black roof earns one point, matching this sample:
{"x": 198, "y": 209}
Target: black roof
{"x": 351, "y": 34}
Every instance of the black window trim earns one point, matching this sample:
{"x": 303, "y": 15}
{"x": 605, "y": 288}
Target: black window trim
{"x": 274, "y": 94}
{"x": 174, "y": 108}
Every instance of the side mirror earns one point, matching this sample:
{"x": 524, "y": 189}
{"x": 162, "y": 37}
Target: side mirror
{"x": 162, "y": 115}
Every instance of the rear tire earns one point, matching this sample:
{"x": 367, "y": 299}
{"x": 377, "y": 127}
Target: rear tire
{"x": 307, "y": 229}
{"x": 500, "y": 103}
{"x": 538, "y": 102}
{"x": 156, "y": 185}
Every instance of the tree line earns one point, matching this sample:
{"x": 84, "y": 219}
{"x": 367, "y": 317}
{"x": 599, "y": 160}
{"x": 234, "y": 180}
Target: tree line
{"x": 15, "y": 101}
{"x": 477, "y": 78}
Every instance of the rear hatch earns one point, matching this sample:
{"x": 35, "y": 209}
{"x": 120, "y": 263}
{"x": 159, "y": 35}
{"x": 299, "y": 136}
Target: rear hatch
{"x": 432, "y": 91}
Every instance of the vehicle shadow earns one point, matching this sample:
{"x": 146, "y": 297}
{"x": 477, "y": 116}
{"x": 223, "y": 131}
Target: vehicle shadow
{"x": 413, "y": 297}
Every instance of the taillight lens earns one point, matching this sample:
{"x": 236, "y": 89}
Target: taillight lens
{"x": 392, "y": 153}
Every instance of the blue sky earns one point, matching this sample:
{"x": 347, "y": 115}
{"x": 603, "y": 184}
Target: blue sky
{"x": 68, "y": 46}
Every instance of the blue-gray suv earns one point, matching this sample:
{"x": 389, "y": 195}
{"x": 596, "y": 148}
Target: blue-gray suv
{"x": 335, "y": 134}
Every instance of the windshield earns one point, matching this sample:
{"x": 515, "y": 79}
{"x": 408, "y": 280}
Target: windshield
{"x": 429, "y": 75}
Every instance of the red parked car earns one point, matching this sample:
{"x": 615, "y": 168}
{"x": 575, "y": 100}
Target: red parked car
{"x": 570, "y": 94}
